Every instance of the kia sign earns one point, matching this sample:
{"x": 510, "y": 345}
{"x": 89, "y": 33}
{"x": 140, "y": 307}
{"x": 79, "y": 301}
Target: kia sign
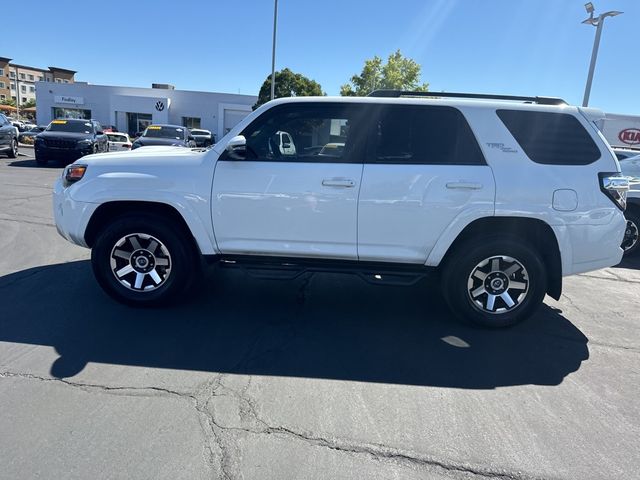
{"x": 630, "y": 136}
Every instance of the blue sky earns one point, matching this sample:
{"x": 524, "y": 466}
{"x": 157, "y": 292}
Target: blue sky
{"x": 528, "y": 47}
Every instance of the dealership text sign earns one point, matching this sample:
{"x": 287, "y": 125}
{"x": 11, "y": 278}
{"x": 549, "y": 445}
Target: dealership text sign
{"x": 630, "y": 136}
{"x": 71, "y": 100}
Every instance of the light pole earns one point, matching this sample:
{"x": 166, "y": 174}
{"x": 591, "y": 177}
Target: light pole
{"x": 597, "y": 22}
{"x": 273, "y": 51}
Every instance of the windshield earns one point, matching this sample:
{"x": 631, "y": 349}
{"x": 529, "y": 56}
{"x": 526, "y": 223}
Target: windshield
{"x": 157, "y": 131}
{"x": 70, "y": 126}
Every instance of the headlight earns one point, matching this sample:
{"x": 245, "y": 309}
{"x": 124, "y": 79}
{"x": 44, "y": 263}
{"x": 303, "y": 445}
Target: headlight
{"x": 72, "y": 173}
{"x": 85, "y": 142}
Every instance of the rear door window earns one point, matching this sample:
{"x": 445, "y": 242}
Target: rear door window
{"x": 551, "y": 138}
{"x": 431, "y": 135}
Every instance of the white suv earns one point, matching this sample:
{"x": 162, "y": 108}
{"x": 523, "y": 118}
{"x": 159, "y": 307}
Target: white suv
{"x": 501, "y": 197}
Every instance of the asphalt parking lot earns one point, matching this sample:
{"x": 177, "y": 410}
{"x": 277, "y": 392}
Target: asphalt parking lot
{"x": 321, "y": 377}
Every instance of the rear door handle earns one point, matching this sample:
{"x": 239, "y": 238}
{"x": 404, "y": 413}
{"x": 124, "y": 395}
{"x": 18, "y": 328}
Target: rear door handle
{"x": 338, "y": 182}
{"x": 464, "y": 185}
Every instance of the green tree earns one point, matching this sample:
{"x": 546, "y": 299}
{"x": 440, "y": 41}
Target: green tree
{"x": 8, "y": 102}
{"x": 399, "y": 73}
{"x": 288, "y": 84}
{"x": 28, "y": 104}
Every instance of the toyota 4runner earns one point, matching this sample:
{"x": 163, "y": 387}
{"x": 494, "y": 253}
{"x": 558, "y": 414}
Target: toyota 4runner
{"x": 500, "y": 196}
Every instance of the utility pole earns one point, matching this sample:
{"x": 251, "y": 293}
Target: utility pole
{"x": 273, "y": 51}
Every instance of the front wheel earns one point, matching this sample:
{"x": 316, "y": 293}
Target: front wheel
{"x": 142, "y": 260}
{"x": 494, "y": 282}
{"x": 13, "y": 152}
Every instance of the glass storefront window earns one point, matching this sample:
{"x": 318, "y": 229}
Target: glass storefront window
{"x": 137, "y": 122}
{"x": 191, "y": 122}
{"x": 77, "y": 113}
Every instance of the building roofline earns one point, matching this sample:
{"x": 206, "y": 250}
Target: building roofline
{"x": 27, "y": 67}
{"x": 159, "y": 91}
{"x": 5, "y": 59}
{"x": 60, "y": 69}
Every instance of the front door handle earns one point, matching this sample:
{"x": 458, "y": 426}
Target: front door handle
{"x": 338, "y": 182}
{"x": 464, "y": 185}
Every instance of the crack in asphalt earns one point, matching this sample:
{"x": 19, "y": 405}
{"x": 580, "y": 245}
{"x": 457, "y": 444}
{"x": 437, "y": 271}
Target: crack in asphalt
{"x": 378, "y": 452}
{"x": 217, "y": 435}
{"x": 151, "y": 391}
{"x": 617, "y": 278}
{"x": 46, "y": 224}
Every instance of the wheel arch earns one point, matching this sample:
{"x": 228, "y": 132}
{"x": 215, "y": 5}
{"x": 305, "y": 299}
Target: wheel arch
{"x": 533, "y": 231}
{"x": 110, "y": 210}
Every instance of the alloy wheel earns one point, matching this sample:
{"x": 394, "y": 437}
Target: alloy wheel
{"x": 140, "y": 262}
{"x": 498, "y": 284}
{"x": 631, "y": 236}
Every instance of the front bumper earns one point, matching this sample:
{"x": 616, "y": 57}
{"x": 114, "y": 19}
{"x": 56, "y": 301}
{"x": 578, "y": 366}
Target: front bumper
{"x": 71, "y": 217}
{"x": 50, "y": 153}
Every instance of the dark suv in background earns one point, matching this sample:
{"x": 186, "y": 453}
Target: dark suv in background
{"x": 8, "y": 138}
{"x": 164, "y": 135}
{"x": 67, "y": 140}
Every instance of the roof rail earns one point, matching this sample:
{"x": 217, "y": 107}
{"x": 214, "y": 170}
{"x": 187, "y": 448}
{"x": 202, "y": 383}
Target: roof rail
{"x": 482, "y": 96}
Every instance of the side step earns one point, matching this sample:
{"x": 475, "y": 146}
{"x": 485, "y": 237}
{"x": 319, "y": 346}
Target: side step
{"x": 284, "y": 268}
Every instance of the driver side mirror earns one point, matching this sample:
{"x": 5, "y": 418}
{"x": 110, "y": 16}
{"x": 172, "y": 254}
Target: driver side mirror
{"x": 237, "y": 148}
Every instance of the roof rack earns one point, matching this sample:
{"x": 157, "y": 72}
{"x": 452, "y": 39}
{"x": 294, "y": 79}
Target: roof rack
{"x": 482, "y": 96}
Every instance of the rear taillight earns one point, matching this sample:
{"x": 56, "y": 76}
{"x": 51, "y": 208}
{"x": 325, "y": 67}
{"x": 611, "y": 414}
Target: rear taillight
{"x": 126, "y": 145}
{"x": 615, "y": 186}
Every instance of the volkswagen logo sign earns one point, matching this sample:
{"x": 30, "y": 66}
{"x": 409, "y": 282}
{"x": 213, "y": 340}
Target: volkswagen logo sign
{"x": 159, "y": 106}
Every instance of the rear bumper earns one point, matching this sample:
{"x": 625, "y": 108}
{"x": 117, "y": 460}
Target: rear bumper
{"x": 71, "y": 217}
{"x": 591, "y": 247}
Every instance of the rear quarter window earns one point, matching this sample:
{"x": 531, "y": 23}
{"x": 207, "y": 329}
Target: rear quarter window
{"x": 551, "y": 138}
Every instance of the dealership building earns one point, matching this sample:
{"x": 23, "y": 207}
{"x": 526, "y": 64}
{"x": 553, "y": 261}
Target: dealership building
{"x": 131, "y": 109}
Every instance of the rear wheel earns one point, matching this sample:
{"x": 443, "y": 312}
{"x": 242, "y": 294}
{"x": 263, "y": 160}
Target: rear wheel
{"x": 631, "y": 239}
{"x": 142, "y": 260}
{"x": 494, "y": 282}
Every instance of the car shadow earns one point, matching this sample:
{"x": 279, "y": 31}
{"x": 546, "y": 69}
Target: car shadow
{"x": 631, "y": 263}
{"x": 31, "y": 163}
{"x": 321, "y": 326}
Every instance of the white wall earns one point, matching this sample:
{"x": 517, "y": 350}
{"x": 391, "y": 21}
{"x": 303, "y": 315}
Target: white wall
{"x": 105, "y": 101}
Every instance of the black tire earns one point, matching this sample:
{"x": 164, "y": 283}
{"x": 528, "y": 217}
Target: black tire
{"x": 468, "y": 295}
{"x": 631, "y": 240}
{"x": 13, "y": 151}
{"x": 41, "y": 162}
{"x": 180, "y": 256}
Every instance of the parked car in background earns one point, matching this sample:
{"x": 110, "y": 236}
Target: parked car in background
{"x": 630, "y": 167}
{"x": 28, "y": 125}
{"x": 118, "y": 141}
{"x": 8, "y": 138}
{"x": 31, "y": 133}
{"x": 622, "y": 153}
{"x": 19, "y": 124}
{"x": 67, "y": 140}
{"x": 167, "y": 135}
{"x": 203, "y": 138}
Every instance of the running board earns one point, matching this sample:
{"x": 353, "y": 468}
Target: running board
{"x": 284, "y": 268}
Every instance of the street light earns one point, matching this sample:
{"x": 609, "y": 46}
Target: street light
{"x": 597, "y": 22}
{"x": 273, "y": 51}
